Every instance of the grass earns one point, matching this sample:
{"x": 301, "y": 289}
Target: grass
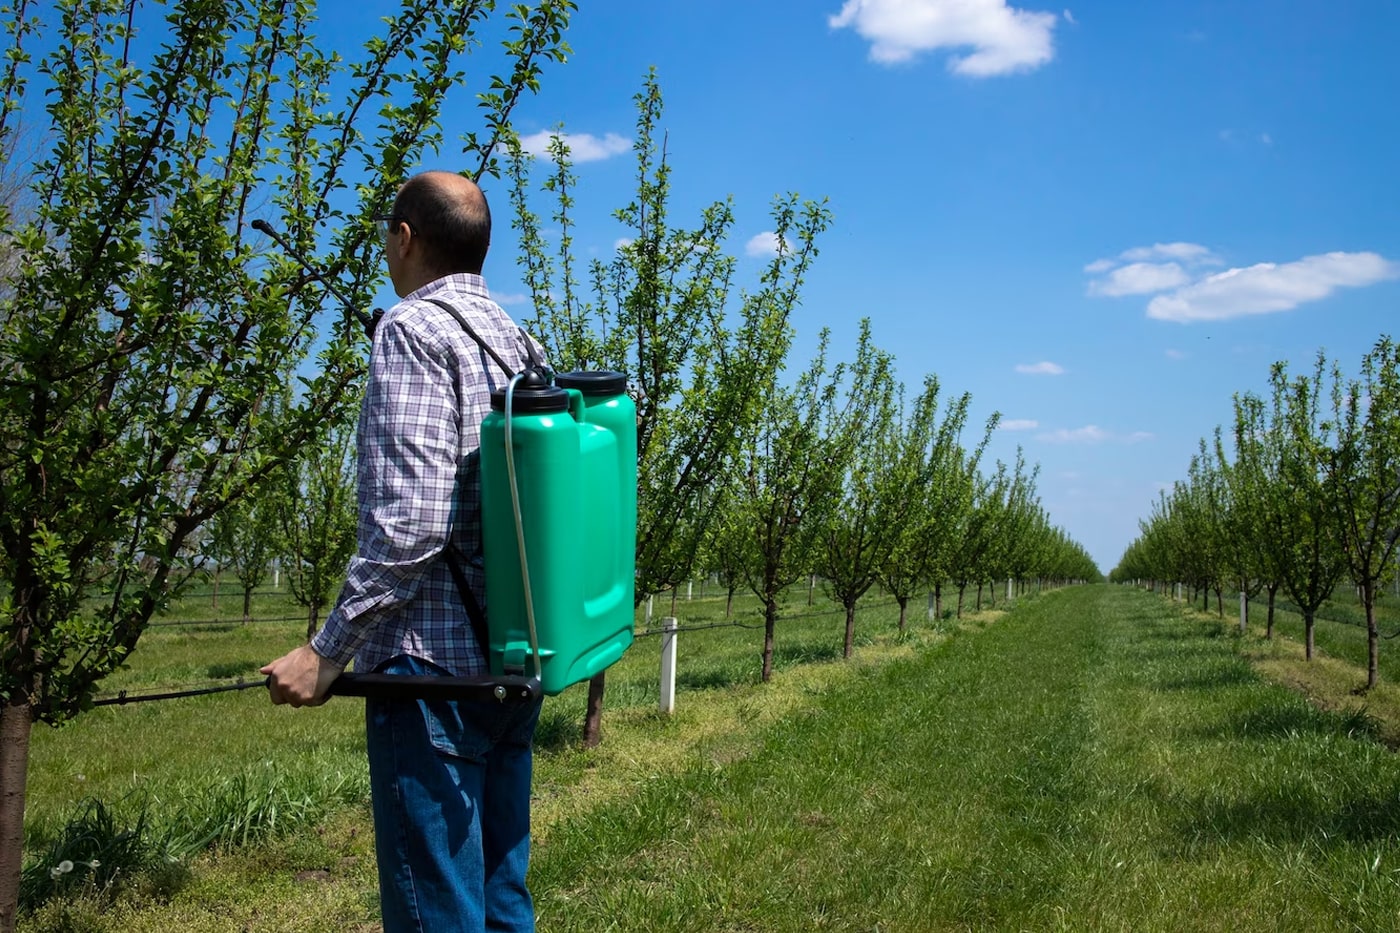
{"x": 197, "y": 765}
{"x": 1340, "y": 630}
{"x": 1098, "y": 758}
{"x": 1094, "y": 761}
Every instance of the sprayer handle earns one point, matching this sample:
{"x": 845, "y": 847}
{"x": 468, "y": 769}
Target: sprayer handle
{"x": 429, "y": 687}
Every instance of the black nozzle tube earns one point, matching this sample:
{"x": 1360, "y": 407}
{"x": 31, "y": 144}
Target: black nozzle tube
{"x": 506, "y": 689}
{"x": 367, "y": 321}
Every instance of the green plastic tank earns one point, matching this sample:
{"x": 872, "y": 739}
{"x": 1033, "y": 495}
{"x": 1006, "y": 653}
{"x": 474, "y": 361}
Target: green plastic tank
{"x": 576, "y": 483}
{"x": 607, "y": 405}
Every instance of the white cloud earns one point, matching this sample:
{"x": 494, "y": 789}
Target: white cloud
{"x": 1069, "y": 18}
{"x": 509, "y": 298}
{"x": 1091, "y": 434}
{"x": 1143, "y": 270}
{"x": 621, "y": 243}
{"x": 1175, "y": 354}
{"x": 1140, "y": 278}
{"x": 1018, "y": 424}
{"x": 583, "y": 147}
{"x": 1240, "y": 138}
{"x": 1267, "y": 287}
{"x": 1003, "y": 39}
{"x": 766, "y": 243}
{"x": 1040, "y": 369}
{"x": 1189, "y": 294}
{"x": 1185, "y": 252}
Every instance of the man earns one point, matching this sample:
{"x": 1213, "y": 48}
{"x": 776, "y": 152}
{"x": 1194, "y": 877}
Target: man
{"x": 450, "y": 780}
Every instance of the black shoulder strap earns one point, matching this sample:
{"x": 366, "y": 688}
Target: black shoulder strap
{"x": 450, "y": 552}
{"x": 462, "y": 320}
{"x": 468, "y": 598}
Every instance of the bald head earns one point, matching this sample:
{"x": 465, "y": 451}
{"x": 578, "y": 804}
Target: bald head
{"x": 451, "y": 218}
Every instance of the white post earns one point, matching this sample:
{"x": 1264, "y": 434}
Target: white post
{"x": 668, "y": 665}
{"x": 1008, "y": 587}
{"x": 689, "y": 589}
{"x": 648, "y": 619}
{"x": 1244, "y": 611}
{"x": 930, "y": 605}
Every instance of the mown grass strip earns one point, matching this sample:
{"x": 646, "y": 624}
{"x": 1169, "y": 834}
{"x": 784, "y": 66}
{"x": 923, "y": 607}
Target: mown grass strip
{"x": 1094, "y": 761}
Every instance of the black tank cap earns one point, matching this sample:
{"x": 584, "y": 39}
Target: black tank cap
{"x": 533, "y": 393}
{"x": 602, "y": 382}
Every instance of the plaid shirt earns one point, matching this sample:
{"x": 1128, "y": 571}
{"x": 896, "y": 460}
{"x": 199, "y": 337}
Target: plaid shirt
{"x": 419, "y": 481}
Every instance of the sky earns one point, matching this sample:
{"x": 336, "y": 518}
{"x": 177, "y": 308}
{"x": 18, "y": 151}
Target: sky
{"x": 1102, "y": 220}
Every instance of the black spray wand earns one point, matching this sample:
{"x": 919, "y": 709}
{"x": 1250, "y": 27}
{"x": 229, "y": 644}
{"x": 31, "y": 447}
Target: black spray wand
{"x": 367, "y": 320}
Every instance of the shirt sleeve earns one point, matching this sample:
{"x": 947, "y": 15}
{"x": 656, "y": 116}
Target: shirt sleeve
{"x": 409, "y": 435}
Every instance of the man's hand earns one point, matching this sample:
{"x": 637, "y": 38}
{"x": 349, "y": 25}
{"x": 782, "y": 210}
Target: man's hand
{"x": 301, "y": 677}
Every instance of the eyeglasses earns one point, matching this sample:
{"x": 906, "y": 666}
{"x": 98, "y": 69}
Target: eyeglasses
{"x": 392, "y": 221}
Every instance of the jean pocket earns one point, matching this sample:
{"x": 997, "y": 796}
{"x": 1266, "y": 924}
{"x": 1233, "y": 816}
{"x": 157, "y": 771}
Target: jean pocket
{"x": 454, "y": 731}
{"x": 467, "y": 729}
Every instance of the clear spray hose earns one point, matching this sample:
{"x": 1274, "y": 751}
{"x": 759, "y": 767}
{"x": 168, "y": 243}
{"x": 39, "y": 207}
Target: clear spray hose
{"x": 520, "y": 526}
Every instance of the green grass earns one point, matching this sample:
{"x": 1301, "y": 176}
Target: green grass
{"x": 231, "y": 767}
{"x": 1340, "y": 630}
{"x": 1095, "y": 759}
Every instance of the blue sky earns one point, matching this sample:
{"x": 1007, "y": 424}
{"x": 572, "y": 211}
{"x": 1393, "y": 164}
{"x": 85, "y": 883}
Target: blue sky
{"x": 1101, "y": 220}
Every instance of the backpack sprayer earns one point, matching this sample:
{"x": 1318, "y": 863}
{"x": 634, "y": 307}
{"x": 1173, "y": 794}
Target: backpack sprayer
{"x": 559, "y": 474}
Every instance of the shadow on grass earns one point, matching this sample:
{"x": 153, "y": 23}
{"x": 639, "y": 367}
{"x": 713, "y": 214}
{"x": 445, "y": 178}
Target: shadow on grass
{"x": 1291, "y": 814}
{"x": 559, "y": 728}
{"x": 809, "y": 653}
{"x": 231, "y": 669}
{"x": 714, "y": 678}
{"x": 1294, "y": 720}
{"x": 1221, "y": 675}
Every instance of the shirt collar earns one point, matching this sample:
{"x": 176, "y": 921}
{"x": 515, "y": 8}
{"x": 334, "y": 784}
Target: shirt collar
{"x": 458, "y": 282}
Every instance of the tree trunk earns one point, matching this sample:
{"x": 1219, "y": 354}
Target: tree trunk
{"x": 811, "y": 588}
{"x": 247, "y": 604}
{"x": 16, "y": 723}
{"x": 938, "y": 600}
{"x": 903, "y": 604}
{"x": 1220, "y": 602}
{"x": 850, "y": 645}
{"x": 729, "y": 603}
{"x": 313, "y": 620}
{"x": 1373, "y": 644}
{"x": 593, "y": 715}
{"x": 770, "y": 620}
{"x": 1269, "y": 624}
{"x": 1308, "y": 634}
{"x": 962, "y": 588}
{"x": 979, "y": 597}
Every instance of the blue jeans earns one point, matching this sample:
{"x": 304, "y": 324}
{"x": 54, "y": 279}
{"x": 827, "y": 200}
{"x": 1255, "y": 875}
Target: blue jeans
{"x": 450, "y": 784}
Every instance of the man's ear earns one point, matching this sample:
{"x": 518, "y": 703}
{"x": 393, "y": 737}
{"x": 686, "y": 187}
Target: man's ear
{"x": 406, "y": 241}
